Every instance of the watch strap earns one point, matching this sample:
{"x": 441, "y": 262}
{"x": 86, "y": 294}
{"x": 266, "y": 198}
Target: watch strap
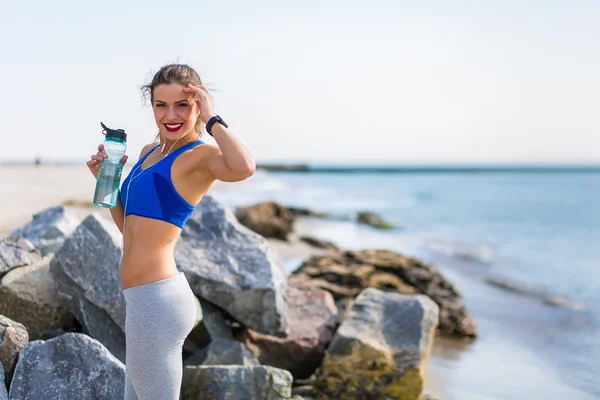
{"x": 212, "y": 121}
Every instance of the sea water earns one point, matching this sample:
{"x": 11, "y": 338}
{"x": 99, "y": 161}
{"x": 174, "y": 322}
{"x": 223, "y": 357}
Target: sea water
{"x": 536, "y": 229}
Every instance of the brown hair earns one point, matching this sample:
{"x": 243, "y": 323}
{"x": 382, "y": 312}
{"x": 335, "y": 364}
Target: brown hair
{"x": 174, "y": 73}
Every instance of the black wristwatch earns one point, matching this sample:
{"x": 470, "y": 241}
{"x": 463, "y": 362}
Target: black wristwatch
{"x": 212, "y": 121}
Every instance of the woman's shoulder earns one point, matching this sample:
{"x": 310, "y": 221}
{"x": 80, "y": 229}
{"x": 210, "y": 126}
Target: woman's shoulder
{"x": 204, "y": 150}
{"x": 199, "y": 156}
{"x": 147, "y": 148}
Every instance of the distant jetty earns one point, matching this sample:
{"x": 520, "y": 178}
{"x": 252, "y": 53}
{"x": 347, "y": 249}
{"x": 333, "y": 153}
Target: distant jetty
{"x": 426, "y": 169}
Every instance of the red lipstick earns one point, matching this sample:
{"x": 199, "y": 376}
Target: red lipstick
{"x": 173, "y": 127}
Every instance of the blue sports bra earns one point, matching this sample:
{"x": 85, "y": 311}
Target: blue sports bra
{"x": 151, "y": 192}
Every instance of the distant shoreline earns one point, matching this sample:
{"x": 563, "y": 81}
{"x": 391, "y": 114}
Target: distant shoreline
{"x": 377, "y": 168}
{"x": 306, "y": 168}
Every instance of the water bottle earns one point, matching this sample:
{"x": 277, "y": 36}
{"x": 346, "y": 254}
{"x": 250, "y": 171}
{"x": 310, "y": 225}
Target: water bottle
{"x": 109, "y": 175}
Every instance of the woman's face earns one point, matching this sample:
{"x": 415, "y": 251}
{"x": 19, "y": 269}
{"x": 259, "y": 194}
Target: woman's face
{"x": 175, "y": 111}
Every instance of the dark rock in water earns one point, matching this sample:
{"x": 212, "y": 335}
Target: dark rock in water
{"x": 268, "y": 219}
{"x": 71, "y": 366}
{"x": 232, "y": 382}
{"x": 28, "y": 295}
{"x": 528, "y": 291}
{"x": 304, "y": 212}
{"x": 16, "y": 251}
{"x": 3, "y": 387}
{"x": 374, "y": 220}
{"x": 86, "y": 275}
{"x": 223, "y": 352}
{"x": 558, "y": 301}
{"x": 13, "y": 338}
{"x": 507, "y": 285}
{"x": 284, "y": 167}
{"x": 346, "y": 274}
{"x": 313, "y": 321}
{"x": 49, "y": 228}
{"x": 233, "y": 268}
{"x": 320, "y": 243}
{"x": 381, "y": 348}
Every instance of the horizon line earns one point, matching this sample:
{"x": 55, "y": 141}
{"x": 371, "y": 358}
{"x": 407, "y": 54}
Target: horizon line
{"x": 383, "y": 167}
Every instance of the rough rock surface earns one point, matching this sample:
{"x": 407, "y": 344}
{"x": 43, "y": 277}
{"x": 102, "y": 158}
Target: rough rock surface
{"x": 223, "y": 352}
{"x": 16, "y": 251}
{"x": 49, "y": 228}
{"x": 313, "y": 321}
{"x": 233, "y": 268}
{"x": 232, "y": 382}
{"x": 13, "y": 338}
{"x": 70, "y": 366}
{"x": 345, "y": 274}
{"x": 86, "y": 275}
{"x": 28, "y": 295}
{"x": 381, "y": 348}
{"x": 3, "y": 387}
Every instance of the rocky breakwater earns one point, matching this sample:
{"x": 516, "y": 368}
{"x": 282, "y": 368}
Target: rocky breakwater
{"x": 258, "y": 332}
{"x": 345, "y": 274}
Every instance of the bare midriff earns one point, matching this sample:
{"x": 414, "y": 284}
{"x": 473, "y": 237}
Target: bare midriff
{"x": 148, "y": 251}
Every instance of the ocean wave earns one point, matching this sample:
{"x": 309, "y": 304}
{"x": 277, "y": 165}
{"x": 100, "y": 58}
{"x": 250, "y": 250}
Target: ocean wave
{"x": 464, "y": 251}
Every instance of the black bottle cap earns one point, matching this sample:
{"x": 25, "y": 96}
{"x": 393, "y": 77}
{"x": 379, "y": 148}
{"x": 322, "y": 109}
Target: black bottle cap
{"x": 118, "y": 133}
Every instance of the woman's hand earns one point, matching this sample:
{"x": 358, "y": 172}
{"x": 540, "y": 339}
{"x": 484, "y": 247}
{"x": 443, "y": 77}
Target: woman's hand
{"x": 96, "y": 160}
{"x": 205, "y": 103}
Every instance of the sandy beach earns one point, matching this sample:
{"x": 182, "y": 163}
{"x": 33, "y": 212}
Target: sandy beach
{"x": 29, "y": 189}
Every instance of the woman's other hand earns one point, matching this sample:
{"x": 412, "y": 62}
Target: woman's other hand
{"x": 205, "y": 103}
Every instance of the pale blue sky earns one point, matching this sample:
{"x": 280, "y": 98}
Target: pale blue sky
{"x": 339, "y": 81}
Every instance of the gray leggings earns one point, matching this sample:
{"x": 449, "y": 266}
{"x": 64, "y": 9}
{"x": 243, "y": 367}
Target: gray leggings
{"x": 159, "y": 316}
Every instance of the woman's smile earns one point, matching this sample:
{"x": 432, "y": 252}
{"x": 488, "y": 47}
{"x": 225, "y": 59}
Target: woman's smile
{"x": 173, "y": 127}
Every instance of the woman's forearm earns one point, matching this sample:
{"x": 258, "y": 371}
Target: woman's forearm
{"x": 237, "y": 157}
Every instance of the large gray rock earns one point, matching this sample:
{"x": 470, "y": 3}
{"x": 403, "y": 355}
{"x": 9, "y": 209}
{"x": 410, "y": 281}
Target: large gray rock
{"x": 381, "y": 348}
{"x": 223, "y": 352}
{"x": 13, "y": 338}
{"x": 313, "y": 321}
{"x": 86, "y": 274}
{"x": 28, "y": 295}
{"x": 16, "y": 251}
{"x": 234, "y": 268}
{"x": 231, "y": 382}
{"x": 70, "y": 366}
{"x": 49, "y": 228}
{"x": 3, "y": 387}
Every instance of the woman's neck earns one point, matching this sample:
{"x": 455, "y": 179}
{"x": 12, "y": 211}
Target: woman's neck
{"x": 172, "y": 145}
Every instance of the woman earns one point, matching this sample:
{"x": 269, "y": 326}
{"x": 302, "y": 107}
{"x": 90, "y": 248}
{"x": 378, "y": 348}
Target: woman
{"x": 155, "y": 200}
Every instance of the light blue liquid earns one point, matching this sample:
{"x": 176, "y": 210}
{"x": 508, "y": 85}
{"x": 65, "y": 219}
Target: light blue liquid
{"x": 109, "y": 176}
{"x": 107, "y": 184}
